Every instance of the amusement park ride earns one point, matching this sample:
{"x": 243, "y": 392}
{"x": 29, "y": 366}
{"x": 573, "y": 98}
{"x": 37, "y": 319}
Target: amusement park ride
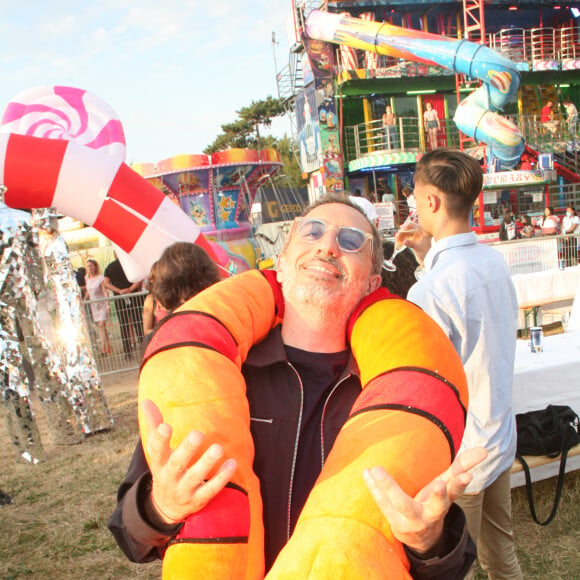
{"x": 217, "y": 192}
{"x": 485, "y": 68}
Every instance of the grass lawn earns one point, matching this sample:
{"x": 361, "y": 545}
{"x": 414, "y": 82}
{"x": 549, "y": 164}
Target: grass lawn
{"x": 56, "y": 525}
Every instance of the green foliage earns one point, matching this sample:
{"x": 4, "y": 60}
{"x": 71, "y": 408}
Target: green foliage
{"x": 245, "y": 131}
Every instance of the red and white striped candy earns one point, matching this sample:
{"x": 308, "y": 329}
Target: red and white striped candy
{"x": 67, "y": 113}
{"x": 66, "y": 149}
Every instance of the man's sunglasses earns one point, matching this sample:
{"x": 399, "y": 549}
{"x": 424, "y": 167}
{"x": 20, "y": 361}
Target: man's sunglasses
{"x": 348, "y": 239}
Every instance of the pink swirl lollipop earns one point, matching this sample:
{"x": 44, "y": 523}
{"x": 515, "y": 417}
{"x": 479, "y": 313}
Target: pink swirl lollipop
{"x": 57, "y": 112}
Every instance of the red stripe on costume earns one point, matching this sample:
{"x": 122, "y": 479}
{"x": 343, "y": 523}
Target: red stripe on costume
{"x": 420, "y": 392}
{"x": 131, "y": 189}
{"x": 119, "y": 224}
{"x": 193, "y": 327}
{"x": 272, "y": 279}
{"x": 31, "y": 170}
{"x": 226, "y": 516}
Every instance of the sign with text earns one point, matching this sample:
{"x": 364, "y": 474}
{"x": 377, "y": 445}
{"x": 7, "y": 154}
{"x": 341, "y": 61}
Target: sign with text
{"x": 385, "y": 212}
{"x": 505, "y": 178}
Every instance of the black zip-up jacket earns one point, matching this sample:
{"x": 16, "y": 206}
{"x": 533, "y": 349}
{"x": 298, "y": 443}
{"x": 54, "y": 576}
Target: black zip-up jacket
{"x": 274, "y": 392}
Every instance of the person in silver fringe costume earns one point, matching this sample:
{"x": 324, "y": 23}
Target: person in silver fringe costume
{"x": 28, "y": 360}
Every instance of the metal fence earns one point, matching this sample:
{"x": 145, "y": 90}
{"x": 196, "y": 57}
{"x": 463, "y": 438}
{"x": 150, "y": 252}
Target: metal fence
{"x": 124, "y": 328}
{"x": 540, "y": 253}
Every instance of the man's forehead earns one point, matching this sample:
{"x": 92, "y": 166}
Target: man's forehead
{"x": 340, "y": 214}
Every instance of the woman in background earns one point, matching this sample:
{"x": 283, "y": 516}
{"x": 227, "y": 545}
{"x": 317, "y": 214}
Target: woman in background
{"x": 400, "y": 281}
{"x": 550, "y": 223}
{"x": 183, "y": 270}
{"x": 150, "y": 305}
{"x": 100, "y": 310}
{"x": 528, "y": 230}
{"x": 432, "y": 125}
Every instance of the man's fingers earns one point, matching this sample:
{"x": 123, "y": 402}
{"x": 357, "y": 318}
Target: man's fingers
{"x": 210, "y": 488}
{"x": 437, "y": 502}
{"x": 151, "y": 413}
{"x": 187, "y": 451}
{"x": 468, "y": 460}
{"x": 200, "y": 471}
{"x": 387, "y": 493}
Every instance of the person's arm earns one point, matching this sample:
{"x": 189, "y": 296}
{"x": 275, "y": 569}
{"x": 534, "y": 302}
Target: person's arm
{"x": 135, "y": 287}
{"x": 502, "y": 232}
{"x": 148, "y": 314}
{"x": 153, "y": 502}
{"x": 110, "y": 286}
{"x": 181, "y": 485}
{"x": 456, "y": 555}
{"x": 136, "y": 535}
{"x": 420, "y": 246}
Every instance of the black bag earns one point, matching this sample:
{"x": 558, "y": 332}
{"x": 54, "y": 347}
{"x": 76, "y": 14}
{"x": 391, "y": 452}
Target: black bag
{"x": 551, "y": 432}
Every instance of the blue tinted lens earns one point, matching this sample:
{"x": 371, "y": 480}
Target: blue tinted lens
{"x": 350, "y": 239}
{"x": 311, "y": 230}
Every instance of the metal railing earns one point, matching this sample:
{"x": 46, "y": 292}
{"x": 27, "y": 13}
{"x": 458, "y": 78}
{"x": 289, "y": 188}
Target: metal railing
{"x": 538, "y": 48}
{"x": 407, "y": 135}
{"x": 540, "y": 253}
{"x": 124, "y": 327}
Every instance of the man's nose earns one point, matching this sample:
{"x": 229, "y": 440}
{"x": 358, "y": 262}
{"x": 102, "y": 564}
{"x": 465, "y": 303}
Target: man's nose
{"x": 328, "y": 243}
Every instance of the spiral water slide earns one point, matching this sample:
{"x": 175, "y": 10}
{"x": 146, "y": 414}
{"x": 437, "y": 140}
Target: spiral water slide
{"x": 476, "y": 115}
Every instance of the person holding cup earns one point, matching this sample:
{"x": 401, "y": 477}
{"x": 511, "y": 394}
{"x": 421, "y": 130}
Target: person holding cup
{"x": 467, "y": 288}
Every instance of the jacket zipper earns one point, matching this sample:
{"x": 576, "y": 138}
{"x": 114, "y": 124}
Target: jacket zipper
{"x": 297, "y": 437}
{"x": 324, "y": 413}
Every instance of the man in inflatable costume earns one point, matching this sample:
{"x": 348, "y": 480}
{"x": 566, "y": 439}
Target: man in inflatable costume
{"x": 281, "y": 475}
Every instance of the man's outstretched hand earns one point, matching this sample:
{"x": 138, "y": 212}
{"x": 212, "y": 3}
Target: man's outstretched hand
{"x": 184, "y": 479}
{"x": 418, "y": 522}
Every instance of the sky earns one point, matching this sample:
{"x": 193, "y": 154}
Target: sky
{"x": 174, "y": 71}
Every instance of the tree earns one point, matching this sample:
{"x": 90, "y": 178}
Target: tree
{"x": 245, "y": 132}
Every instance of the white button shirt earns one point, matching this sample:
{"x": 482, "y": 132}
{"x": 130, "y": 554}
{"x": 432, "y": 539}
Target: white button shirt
{"x": 467, "y": 289}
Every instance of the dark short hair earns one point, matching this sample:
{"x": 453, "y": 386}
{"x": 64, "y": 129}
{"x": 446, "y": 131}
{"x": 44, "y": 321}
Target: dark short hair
{"x": 456, "y": 174}
{"x": 183, "y": 270}
{"x": 377, "y": 256}
{"x": 400, "y": 281}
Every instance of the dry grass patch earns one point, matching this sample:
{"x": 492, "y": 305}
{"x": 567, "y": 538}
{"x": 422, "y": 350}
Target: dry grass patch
{"x": 56, "y": 526}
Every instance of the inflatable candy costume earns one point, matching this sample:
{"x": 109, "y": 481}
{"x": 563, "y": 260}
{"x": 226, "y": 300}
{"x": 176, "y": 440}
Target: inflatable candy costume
{"x": 412, "y": 406}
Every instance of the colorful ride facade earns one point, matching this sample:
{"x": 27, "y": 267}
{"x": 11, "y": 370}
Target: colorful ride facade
{"x": 217, "y": 191}
{"x": 485, "y": 68}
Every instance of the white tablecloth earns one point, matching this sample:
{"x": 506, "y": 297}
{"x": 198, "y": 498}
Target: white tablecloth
{"x": 546, "y": 286}
{"x": 548, "y": 378}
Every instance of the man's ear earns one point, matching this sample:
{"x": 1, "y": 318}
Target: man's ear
{"x": 434, "y": 202}
{"x": 374, "y": 283}
{"x": 280, "y": 267}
